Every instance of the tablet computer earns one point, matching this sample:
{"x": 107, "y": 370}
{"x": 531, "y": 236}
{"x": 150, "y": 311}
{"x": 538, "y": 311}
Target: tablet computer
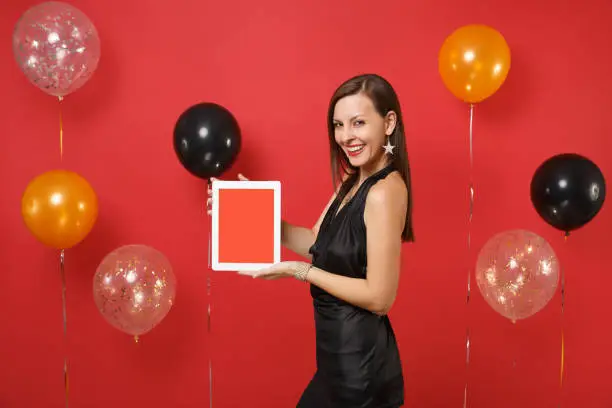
{"x": 246, "y": 225}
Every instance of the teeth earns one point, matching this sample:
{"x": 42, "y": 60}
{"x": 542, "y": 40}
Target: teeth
{"x": 355, "y": 148}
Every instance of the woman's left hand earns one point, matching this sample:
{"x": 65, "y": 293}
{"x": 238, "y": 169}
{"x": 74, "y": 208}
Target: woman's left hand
{"x": 279, "y": 270}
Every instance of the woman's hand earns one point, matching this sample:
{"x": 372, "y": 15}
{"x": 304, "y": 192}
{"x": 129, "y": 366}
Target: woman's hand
{"x": 291, "y": 269}
{"x": 287, "y": 269}
{"x": 209, "y": 200}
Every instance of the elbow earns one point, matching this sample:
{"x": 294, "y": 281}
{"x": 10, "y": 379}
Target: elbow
{"x": 380, "y": 297}
{"x": 380, "y": 310}
{"x": 381, "y": 305}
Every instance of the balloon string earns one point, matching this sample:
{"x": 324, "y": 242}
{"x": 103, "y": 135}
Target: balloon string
{"x": 61, "y": 123}
{"x": 65, "y": 320}
{"x": 208, "y": 290}
{"x": 562, "y": 365}
{"x": 210, "y": 373}
{"x": 469, "y": 246}
{"x": 471, "y": 139}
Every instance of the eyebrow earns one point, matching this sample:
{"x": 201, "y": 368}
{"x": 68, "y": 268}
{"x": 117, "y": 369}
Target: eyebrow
{"x": 351, "y": 118}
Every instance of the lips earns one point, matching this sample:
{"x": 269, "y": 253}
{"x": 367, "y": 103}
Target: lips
{"x": 354, "y": 150}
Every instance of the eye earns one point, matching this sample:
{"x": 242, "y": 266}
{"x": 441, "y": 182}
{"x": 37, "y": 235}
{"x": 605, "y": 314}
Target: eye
{"x": 359, "y": 122}
{"x": 337, "y": 124}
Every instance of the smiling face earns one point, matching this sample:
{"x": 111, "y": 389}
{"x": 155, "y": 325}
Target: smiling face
{"x": 361, "y": 131}
{"x": 363, "y": 114}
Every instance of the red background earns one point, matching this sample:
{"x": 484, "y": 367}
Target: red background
{"x": 274, "y": 64}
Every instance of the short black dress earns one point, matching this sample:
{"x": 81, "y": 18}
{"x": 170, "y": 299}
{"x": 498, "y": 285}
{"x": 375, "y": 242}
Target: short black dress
{"x": 358, "y": 362}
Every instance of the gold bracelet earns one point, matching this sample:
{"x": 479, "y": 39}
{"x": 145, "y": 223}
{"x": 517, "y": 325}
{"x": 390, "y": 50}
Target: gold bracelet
{"x": 302, "y": 271}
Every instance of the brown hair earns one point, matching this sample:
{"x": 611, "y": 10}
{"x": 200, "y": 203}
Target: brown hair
{"x": 384, "y": 98}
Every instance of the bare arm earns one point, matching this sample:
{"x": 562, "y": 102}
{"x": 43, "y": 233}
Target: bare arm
{"x": 384, "y": 217}
{"x": 300, "y": 239}
{"x": 295, "y": 238}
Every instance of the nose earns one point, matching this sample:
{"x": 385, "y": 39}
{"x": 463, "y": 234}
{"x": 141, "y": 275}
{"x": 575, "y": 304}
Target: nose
{"x": 346, "y": 134}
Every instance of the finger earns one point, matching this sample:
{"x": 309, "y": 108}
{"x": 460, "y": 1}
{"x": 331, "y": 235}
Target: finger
{"x": 273, "y": 276}
{"x": 261, "y": 273}
{"x": 247, "y": 273}
{"x": 211, "y": 180}
{"x": 264, "y": 274}
{"x": 241, "y": 177}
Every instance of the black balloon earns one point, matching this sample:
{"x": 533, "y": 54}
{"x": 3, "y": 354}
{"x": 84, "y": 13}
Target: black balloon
{"x": 567, "y": 191}
{"x": 207, "y": 140}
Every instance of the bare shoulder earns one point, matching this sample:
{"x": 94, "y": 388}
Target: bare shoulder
{"x": 390, "y": 191}
{"x": 388, "y": 197}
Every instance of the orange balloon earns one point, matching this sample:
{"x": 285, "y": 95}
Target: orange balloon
{"x": 59, "y": 208}
{"x": 474, "y": 62}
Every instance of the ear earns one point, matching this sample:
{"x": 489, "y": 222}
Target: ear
{"x": 390, "y": 122}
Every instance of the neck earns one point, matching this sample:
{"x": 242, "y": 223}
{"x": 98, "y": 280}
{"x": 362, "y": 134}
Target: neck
{"x": 367, "y": 170}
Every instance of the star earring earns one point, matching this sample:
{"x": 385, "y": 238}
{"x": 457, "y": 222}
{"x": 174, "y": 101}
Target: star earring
{"x": 388, "y": 147}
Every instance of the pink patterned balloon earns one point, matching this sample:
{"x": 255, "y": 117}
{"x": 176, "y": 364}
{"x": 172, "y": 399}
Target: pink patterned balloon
{"x": 56, "y": 47}
{"x": 517, "y": 273}
{"x": 134, "y": 288}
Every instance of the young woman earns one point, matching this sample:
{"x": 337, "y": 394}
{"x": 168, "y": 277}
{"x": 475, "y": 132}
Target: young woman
{"x": 355, "y": 249}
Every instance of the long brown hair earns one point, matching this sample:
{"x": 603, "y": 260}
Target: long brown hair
{"x": 384, "y": 98}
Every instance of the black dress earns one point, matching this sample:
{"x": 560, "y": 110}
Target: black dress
{"x": 358, "y": 362}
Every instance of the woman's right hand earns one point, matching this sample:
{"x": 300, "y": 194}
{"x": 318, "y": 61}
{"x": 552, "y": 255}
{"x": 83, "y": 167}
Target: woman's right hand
{"x": 209, "y": 200}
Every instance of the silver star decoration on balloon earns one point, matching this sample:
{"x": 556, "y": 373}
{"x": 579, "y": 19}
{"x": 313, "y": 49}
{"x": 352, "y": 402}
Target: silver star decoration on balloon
{"x": 388, "y": 147}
